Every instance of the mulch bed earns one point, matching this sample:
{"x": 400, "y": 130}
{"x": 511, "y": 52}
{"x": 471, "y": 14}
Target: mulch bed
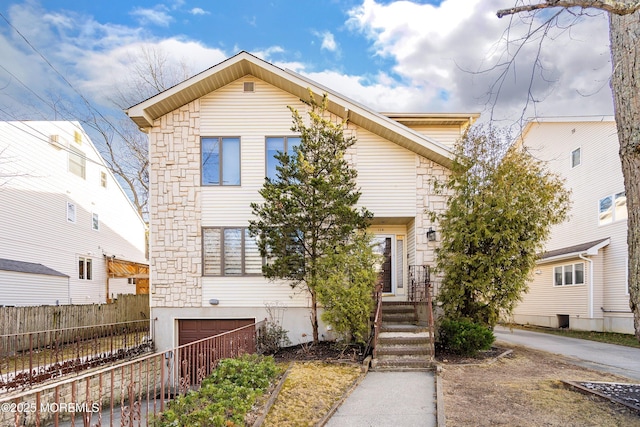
{"x": 323, "y": 351}
{"x": 456, "y": 359}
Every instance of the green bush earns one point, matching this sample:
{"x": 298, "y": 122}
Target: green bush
{"x": 225, "y": 397}
{"x": 464, "y": 337}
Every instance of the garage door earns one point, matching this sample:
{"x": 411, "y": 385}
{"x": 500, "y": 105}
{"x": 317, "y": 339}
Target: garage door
{"x": 190, "y": 330}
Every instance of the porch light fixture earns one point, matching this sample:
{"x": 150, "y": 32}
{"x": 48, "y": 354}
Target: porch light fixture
{"x": 431, "y": 234}
{"x": 214, "y": 301}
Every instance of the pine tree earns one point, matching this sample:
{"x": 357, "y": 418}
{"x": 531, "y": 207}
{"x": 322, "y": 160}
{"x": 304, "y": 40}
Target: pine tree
{"x": 309, "y": 208}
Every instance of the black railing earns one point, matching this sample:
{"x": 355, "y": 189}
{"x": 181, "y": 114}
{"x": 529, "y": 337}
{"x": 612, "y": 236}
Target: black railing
{"x": 421, "y": 292}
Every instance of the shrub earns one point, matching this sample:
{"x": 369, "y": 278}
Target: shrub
{"x": 464, "y": 337}
{"x": 272, "y": 338}
{"x": 226, "y": 396}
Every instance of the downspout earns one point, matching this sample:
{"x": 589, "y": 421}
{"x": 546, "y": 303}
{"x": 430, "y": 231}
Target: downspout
{"x": 590, "y": 261}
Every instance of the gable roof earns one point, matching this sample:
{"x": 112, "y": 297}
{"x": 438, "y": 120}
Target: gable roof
{"x": 242, "y": 64}
{"x": 28, "y": 267}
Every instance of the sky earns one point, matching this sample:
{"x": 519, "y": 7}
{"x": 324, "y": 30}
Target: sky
{"x": 392, "y": 56}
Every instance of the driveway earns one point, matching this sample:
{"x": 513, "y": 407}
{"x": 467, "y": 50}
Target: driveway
{"x": 615, "y": 359}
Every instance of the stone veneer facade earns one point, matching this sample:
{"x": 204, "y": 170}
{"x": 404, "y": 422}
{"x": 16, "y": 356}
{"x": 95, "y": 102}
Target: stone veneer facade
{"x": 174, "y": 198}
{"x": 427, "y": 201}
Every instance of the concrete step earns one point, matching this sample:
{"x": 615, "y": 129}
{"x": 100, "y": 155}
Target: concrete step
{"x": 403, "y": 327}
{"x": 398, "y": 318}
{"x": 399, "y": 340}
{"x": 401, "y": 363}
{"x": 397, "y": 309}
{"x": 402, "y": 350}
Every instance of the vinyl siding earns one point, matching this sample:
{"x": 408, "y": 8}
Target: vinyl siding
{"x": 388, "y": 191}
{"x": 598, "y": 175}
{"x": 447, "y": 135}
{"x": 33, "y": 222}
{"x": 386, "y": 177}
{"x": 22, "y": 289}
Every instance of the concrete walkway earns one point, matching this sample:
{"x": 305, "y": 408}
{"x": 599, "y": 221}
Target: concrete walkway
{"x": 611, "y": 358}
{"x": 389, "y": 399}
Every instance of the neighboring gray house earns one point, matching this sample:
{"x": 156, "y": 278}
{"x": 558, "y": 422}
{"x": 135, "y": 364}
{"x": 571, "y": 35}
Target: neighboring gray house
{"x": 27, "y": 283}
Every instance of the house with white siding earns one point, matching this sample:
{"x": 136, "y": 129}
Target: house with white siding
{"x": 580, "y": 281}
{"x": 212, "y": 139}
{"x": 67, "y": 228}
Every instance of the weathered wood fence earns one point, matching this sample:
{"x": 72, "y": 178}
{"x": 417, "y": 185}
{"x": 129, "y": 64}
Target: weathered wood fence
{"x": 17, "y": 320}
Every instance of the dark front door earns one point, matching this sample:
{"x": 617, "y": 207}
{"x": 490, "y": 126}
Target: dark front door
{"x": 383, "y": 247}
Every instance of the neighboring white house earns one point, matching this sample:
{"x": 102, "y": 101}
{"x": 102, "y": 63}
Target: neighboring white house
{"x": 212, "y": 141}
{"x": 61, "y": 208}
{"x": 580, "y": 281}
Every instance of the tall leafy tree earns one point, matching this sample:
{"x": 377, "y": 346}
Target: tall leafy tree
{"x": 624, "y": 32}
{"x": 309, "y": 207}
{"x": 502, "y": 205}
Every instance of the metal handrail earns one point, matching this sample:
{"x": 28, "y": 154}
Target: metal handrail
{"x": 377, "y": 320}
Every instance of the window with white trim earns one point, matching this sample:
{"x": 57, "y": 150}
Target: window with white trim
{"x": 95, "y": 222}
{"x": 612, "y": 208}
{"x": 576, "y": 157}
{"x": 77, "y": 162}
{"x": 569, "y": 274}
{"x": 230, "y": 252}
{"x": 85, "y": 271}
{"x": 71, "y": 212}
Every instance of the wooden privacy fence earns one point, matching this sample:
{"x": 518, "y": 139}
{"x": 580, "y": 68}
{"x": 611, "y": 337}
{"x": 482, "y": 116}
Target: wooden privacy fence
{"x": 18, "y": 320}
{"x": 128, "y": 394}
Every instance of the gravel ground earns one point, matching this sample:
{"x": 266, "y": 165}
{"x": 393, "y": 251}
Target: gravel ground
{"x": 627, "y": 394}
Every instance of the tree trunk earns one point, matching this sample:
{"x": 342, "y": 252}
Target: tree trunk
{"x": 625, "y": 84}
{"x": 314, "y": 316}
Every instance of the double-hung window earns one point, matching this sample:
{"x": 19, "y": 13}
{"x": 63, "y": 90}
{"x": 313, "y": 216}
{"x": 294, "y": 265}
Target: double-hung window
{"x": 77, "y": 162}
{"x": 570, "y": 274}
{"x": 220, "y": 161}
{"x": 576, "y": 157}
{"x": 230, "y": 252}
{"x": 282, "y": 144}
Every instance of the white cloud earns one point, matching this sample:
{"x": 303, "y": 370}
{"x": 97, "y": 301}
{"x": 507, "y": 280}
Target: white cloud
{"x": 156, "y": 16}
{"x": 442, "y": 51}
{"x": 328, "y": 41}
{"x": 199, "y": 11}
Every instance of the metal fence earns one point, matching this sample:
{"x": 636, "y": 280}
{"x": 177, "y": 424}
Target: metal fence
{"x": 129, "y": 394}
{"x": 31, "y": 358}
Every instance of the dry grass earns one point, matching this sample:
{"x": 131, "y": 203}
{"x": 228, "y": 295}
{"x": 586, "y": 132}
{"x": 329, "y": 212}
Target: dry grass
{"x": 525, "y": 390}
{"x": 309, "y": 392}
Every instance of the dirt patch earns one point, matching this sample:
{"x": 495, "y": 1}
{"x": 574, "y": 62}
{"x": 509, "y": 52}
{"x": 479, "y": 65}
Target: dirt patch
{"x": 524, "y": 388}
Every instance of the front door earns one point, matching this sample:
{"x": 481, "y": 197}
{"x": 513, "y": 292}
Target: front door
{"x": 383, "y": 245}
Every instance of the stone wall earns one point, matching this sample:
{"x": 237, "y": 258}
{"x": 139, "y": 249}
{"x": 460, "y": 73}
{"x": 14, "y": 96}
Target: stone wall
{"x": 175, "y": 213}
{"x": 427, "y": 201}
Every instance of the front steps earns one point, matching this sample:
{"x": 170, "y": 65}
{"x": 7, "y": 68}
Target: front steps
{"x": 403, "y": 343}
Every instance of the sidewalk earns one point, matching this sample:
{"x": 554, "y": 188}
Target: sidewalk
{"x": 389, "y": 399}
{"x": 611, "y": 358}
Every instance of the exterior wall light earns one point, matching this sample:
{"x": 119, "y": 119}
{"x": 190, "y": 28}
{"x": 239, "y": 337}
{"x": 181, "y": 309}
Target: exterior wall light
{"x": 431, "y": 234}
{"x": 214, "y": 301}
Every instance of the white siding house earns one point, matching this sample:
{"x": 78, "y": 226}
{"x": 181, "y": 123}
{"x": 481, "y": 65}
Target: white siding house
{"x": 62, "y": 208}
{"x": 580, "y": 281}
{"x": 241, "y": 104}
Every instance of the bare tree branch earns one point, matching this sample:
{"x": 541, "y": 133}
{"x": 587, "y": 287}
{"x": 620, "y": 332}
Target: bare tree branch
{"x": 611, "y": 6}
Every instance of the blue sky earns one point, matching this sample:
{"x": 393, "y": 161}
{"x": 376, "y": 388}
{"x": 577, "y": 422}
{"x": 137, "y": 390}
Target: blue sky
{"x": 393, "y": 56}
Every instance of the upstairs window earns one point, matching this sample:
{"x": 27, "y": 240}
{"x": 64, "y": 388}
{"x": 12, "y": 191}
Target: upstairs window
{"x": 570, "y": 274}
{"x": 95, "y": 222}
{"x": 230, "y": 252}
{"x": 77, "y": 162}
{"x": 220, "y": 161}
{"x": 71, "y": 212}
{"x": 612, "y": 208}
{"x": 103, "y": 179}
{"x": 576, "y": 158}
{"x": 274, "y": 145}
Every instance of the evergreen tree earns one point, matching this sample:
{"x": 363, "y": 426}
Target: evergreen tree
{"x": 309, "y": 208}
{"x": 501, "y": 208}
